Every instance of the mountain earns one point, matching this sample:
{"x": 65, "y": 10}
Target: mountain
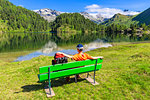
{"x": 97, "y": 19}
{"x": 120, "y": 19}
{"x": 50, "y": 15}
{"x": 127, "y": 20}
{"x": 143, "y": 17}
{"x": 20, "y": 19}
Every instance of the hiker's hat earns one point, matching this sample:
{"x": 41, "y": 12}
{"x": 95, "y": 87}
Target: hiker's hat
{"x": 79, "y": 46}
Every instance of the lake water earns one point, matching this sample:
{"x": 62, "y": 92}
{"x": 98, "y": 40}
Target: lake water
{"x": 48, "y": 43}
{"x": 50, "y": 48}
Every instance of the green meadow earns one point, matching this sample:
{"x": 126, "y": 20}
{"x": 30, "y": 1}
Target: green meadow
{"x": 125, "y": 75}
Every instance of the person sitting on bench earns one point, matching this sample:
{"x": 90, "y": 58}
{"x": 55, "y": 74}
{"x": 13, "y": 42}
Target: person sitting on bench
{"x": 79, "y": 57}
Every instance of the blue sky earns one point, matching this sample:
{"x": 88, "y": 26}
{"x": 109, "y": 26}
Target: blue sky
{"x": 85, "y": 5}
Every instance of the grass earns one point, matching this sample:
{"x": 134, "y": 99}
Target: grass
{"x": 125, "y": 75}
{"x": 11, "y": 56}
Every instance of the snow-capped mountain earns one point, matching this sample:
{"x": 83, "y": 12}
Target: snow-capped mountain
{"x": 95, "y": 18}
{"x": 51, "y": 15}
{"x": 48, "y": 14}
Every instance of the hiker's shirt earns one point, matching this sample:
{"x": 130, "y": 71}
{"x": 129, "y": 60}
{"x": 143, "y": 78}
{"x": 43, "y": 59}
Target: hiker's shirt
{"x": 81, "y": 56}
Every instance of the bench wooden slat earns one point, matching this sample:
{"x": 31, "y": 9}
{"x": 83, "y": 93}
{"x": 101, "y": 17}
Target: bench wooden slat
{"x": 57, "y": 67}
{"x": 69, "y": 72}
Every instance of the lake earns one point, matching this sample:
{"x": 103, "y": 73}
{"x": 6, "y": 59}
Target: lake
{"x": 46, "y": 43}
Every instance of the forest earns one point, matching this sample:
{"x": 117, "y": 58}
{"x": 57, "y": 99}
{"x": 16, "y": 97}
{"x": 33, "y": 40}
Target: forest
{"x": 18, "y": 19}
{"x": 67, "y": 26}
{"x": 71, "y": 26}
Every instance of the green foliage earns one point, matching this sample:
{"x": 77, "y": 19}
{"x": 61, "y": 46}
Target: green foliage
{"x": 120, "y": 20}
{"x": 143, "y": 17}
{"x": 74, "y": 21}
{"x": 3, "y": 26}
{"x": 69, "y": 26}
{"x": 21, "y": 19}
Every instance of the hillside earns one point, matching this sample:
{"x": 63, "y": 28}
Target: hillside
{"x": 73, "y": 21}
{"x": 120, "y": 19}
{"x": 67, "y": 25}
{"x": 21, "y": 19}
{"x": 143, "y": 17}
{"x": 70, "y": 24}
{"x": 3, "y": 26}
{"x": 125, "y": 74}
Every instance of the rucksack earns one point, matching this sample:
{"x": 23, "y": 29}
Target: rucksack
{"x": 59, "y": 58}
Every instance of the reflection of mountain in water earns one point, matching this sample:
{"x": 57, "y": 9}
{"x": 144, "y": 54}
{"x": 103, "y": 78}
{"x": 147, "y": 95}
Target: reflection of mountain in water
{"x": 96, "y": 44}
{"x": 51, "y": 48}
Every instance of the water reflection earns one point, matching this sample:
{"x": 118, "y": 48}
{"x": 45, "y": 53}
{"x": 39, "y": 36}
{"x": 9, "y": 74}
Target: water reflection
{"x": 23, "y": 41}
{"x": 51, "y": 48}
{"x": 48, "y": 44}
{"x": 96, "y": 44}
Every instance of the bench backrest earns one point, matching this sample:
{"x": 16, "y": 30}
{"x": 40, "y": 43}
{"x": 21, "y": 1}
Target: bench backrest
{"x": 67, "y": 69}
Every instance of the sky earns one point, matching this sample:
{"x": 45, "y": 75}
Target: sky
{"x": 107, "y": 8}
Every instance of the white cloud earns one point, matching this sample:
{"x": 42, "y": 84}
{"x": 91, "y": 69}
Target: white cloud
{"x": 106, "y": 12}
{"x": 93, "y": 6}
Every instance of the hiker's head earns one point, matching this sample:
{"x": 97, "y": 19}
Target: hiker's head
{"x": 79, "y": 47}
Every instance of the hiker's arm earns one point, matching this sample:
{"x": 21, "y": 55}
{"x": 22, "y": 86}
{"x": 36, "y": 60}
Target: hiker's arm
{"x": 101, "y": 57}
{"x": 90, "y": 57}
{"x": 65, "y": 55}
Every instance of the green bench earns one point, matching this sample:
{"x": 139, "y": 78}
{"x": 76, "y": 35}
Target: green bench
{"x": 47, "y": 73}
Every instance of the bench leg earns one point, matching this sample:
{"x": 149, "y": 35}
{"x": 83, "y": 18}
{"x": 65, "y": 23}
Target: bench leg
{"x": 92, "y": 81}
{"x": 89, "y": 79}
{"x": 87, "y": 75}
{"x": 49, "y": 81}
{"x": 48, "y": 90}
{"x": 75, "y": 78}
{"x": 94, "y": 77}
